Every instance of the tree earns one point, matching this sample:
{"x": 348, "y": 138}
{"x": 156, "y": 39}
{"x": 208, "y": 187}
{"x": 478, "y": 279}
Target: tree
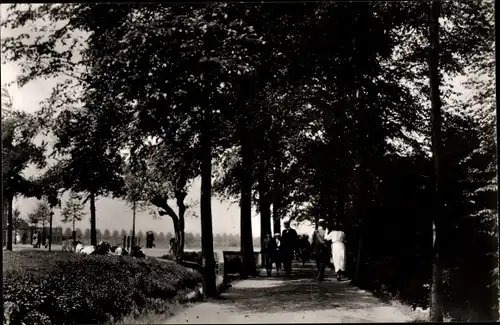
{"x": 40, "y": 214}
{"x": 19, "y": 130}
{"x": 116, "y": 237}
{"x": 436, "y": 311}
{"x": 150, "y": 183}
{"x": 73, "y": 210}
{"x": 89, "y": 169}
{"x": 17, "y": 222}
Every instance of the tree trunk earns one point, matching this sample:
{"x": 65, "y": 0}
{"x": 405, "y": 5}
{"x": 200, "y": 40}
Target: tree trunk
{"x": 363, "y": 206}
{"x": 180, "y": 196}
{"x": 264, "y": 203}
{"x": 436, "y": 296}
{"x": 177, "y": 221}
{"x": 4, "y": 222}
{"x": 497, "y": 243}
{"x": 133, "y": 224}
{"x": 93, "y": 231}
{"x": 10, "y": 200}
{"x": 276, "y": 195}
{"x": 207, "y": 238}
{"x": 249, "y": 267}
{"x": 50, "y": 230}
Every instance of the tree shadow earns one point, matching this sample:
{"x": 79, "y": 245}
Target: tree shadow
{"x": 299, "y": 292}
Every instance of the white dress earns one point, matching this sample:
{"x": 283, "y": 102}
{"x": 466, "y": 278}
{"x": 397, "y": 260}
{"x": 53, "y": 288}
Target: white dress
{"x": 338, "y": 249}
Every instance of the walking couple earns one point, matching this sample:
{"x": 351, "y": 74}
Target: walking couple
{"x": 329, "y": 248}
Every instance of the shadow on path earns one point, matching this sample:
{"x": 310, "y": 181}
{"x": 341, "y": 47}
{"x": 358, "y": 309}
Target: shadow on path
{"x": 298, "y": 292}
{"x": 298, "y": 298}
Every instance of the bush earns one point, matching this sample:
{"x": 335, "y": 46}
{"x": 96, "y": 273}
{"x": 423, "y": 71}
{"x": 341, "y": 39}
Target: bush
{"x": 62, "y": 288}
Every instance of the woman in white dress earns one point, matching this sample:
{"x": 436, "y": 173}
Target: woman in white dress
{"x": 337, "y": 239}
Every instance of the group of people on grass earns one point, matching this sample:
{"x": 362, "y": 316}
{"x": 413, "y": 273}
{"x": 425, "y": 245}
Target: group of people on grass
{"x": 328, "y": 248}
{"x": 69, "y": 244}
{"x": 38, "y": 239}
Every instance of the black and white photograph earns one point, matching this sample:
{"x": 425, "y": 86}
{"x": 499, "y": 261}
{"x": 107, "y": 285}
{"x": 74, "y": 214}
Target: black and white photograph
{"x": 250, "y": 162}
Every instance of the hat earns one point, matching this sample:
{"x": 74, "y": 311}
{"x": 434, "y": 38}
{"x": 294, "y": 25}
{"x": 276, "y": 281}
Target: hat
{"x": 276, "y": 234}
{"x": 321, "y": 221}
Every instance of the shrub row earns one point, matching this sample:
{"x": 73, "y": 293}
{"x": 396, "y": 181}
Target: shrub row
{"x": 66, "y": 288}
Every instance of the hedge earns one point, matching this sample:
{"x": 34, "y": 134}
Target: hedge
{"x": 68, "y": 288}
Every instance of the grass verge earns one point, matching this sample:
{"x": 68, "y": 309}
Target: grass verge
{"x": 61, "y": 288}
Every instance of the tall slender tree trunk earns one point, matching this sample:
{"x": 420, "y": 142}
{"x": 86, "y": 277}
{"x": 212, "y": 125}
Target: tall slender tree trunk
{"x": 264, "y": 203}
{"x": 4, "y": 222}
{"x": 50, "y": 230}
{"x": 277, "y": 194}
{"x": 207, "y": 238}
{"x": 133, "y": 223}
{"x": 10, "y": 200}
{"x": 497, "y": 241}
{"x": 249, "y": 267}
{"x": 436, "y": 295}
{"x": 93, "y": 231}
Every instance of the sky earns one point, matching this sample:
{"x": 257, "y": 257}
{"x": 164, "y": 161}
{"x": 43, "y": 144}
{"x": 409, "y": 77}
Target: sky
{"x": 113, "y": 213}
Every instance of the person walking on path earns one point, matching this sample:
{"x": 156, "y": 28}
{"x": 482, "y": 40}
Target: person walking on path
{"x": 269, "y": 250}
{"x": 321, "y": 249}
{"x": 337, "y": 239}
{"x": 35, "y": 235}
{"x": 288, "y": 245}
{"x": 277, "y": 254}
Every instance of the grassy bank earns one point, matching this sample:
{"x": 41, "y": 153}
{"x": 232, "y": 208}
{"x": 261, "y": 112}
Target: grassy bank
{"x": 61, "y": 288}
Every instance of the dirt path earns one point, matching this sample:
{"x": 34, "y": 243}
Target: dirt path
{"x": 288, "y": 300}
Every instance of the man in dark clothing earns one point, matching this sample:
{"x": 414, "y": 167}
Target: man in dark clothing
{"x": 288, "y": 245}
{"x": 320, "y": 249}
{"x": 152, "y": 238}
{"x": 148, "y": 239}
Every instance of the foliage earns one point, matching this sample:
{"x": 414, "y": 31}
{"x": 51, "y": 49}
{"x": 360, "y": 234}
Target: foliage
{"x": 73, "y": 209}
{"x": 57, "y": 288}
{"x": 19, "y": 149}
{"x": 17, "y": 219}
{"x": 41, "y": 213}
